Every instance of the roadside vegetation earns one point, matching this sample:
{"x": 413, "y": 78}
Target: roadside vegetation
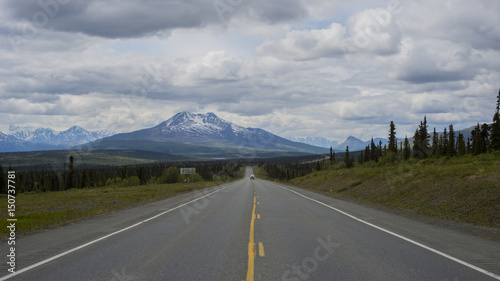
{"x": 441, "y": 176}
{"x": 39, "y": 210}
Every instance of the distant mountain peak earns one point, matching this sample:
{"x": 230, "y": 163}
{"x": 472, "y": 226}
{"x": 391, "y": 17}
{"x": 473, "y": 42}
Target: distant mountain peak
{"x": 208, "y": 130}
{"x": 352, "y": 138}
{"x": 315, "y": 141}
{"x": 72, "y": 136}
{"x": 191, "y": 124}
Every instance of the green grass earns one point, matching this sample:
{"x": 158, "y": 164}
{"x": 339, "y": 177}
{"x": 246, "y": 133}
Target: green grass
{"x": 461, "y": 189}
{"x": 40, "y": 211}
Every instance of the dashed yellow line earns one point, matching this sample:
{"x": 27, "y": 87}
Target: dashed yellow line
{"x": 261, "y": 249}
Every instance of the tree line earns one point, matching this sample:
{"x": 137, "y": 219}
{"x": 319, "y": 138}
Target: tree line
{"x": 69, "y": 176}
{"x": 484, "y": 138}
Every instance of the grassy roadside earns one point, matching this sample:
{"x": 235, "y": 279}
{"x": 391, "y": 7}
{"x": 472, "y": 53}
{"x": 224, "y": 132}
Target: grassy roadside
{"x": 464, "y": 190}
{"x": 39, "y": 211}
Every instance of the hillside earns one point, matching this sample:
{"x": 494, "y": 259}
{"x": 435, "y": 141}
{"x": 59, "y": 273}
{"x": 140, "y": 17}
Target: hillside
{"x": 460, "y": 190}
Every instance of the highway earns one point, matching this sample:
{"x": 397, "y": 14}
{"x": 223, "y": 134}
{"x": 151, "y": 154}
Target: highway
{"x": 253, "y": 230}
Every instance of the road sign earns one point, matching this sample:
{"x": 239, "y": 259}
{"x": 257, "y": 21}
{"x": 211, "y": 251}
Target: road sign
{"x": 188, "y": 171}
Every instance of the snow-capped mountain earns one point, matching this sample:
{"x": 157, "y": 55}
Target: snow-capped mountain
{"x": 353, "y": 143}
{"x": 12, "y": 144}
{"x": 187, "y": 124}
{"x": 316, "y": 141}
{"x": 186, "y": 132}
{"x": 356, "y": 144}
{"x": 73, "y": 136}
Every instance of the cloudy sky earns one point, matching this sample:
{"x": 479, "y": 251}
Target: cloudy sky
{"x": 293, "y": 67}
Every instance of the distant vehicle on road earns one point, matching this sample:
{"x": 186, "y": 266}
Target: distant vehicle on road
{"x": 252, "y": 177}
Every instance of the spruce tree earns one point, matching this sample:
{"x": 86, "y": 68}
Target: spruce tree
{"x": 461, "y": 145}
{"x": 421, "y": 147}
{"x": 435, "y": 143}
{"x": 495, "y": 128}
{"x": 476, "y": 140}
{"x": 71, "y": 174}
{"x": 445, "y": 142}
{"x": 367, "y": 153}
{"x": 450, "y": 149}
{"x": 373, "y": 152}
{"x": 393, "y": 144}
{"x": 380, "y": 149}
{"x": 331, "y": 154}
{"x": 485, "y": 138}
{"x": 406, "y": 149}
{"x": 424, "y": 138}
{"x": 347, "y": 159}
{"x": 416, "y": 144}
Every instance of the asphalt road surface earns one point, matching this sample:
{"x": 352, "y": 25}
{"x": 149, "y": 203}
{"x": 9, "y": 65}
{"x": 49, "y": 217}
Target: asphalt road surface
{"x": 253, "y": 230}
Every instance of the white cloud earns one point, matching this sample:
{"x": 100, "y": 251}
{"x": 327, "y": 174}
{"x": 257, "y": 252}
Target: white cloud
{"x": 324, "y": 68}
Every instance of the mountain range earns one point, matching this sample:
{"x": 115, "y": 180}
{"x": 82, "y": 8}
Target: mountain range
{"x": 188, "y": 134}
{"x": 206, "y": 136}
{"x": 316, "y": 141}
{"x": 73, "y": 136}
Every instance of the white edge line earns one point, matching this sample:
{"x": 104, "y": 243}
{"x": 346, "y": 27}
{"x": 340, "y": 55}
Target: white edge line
{"x": 102, "y": 238}
{"x": 491, "y": 274}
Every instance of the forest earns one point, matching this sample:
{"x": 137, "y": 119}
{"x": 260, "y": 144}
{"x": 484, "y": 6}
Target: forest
{"x": 485, "y": 139}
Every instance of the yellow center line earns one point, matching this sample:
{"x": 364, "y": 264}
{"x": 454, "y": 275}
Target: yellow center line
{"x": 261, "y": 249}
{"x": 251, "y": 245}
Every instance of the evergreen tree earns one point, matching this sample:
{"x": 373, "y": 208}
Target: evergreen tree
{"x": 380, "y": 151}
{"x": 416, "y": 144}
{"x": 480, "y": 139}
{"x": 347, "y": 159}
{"x": 361, "y": 157}
{"x": 70, "y": 183}
{"x": 421, "y": 147}
{"x": 495, "y": 128}
{"x": 469, "y": 147}
{"x": 477, "y": 143}
{"x": 445, "y": 141}
{"x": 393, "y": 144}
{"x": 406, "y": 149}
{"x": 331, "y": 154}
{"x": 141, "y": 175}
{"x": 461, "y": 145}
{"x": 373, "y": 152}
{"x": 439, "y": 150}
{"x": 485, "y": 137}
{"x": 450, "y": 149}
{"x": 424, "y": 138}
{"x": 435, "y": 143}
{"x": 367, "y": 153}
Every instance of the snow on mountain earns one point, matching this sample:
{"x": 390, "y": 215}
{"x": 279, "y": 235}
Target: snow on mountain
{"x": 316, "y": 141}
{"x": 353, "y": 143}
{"x": 186, "y": 128}
{"x": 73, "y": 136}
{"x": 186, "y": 125}
{"x": 356, "y": 144}
{"x": 12, "y": 144}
